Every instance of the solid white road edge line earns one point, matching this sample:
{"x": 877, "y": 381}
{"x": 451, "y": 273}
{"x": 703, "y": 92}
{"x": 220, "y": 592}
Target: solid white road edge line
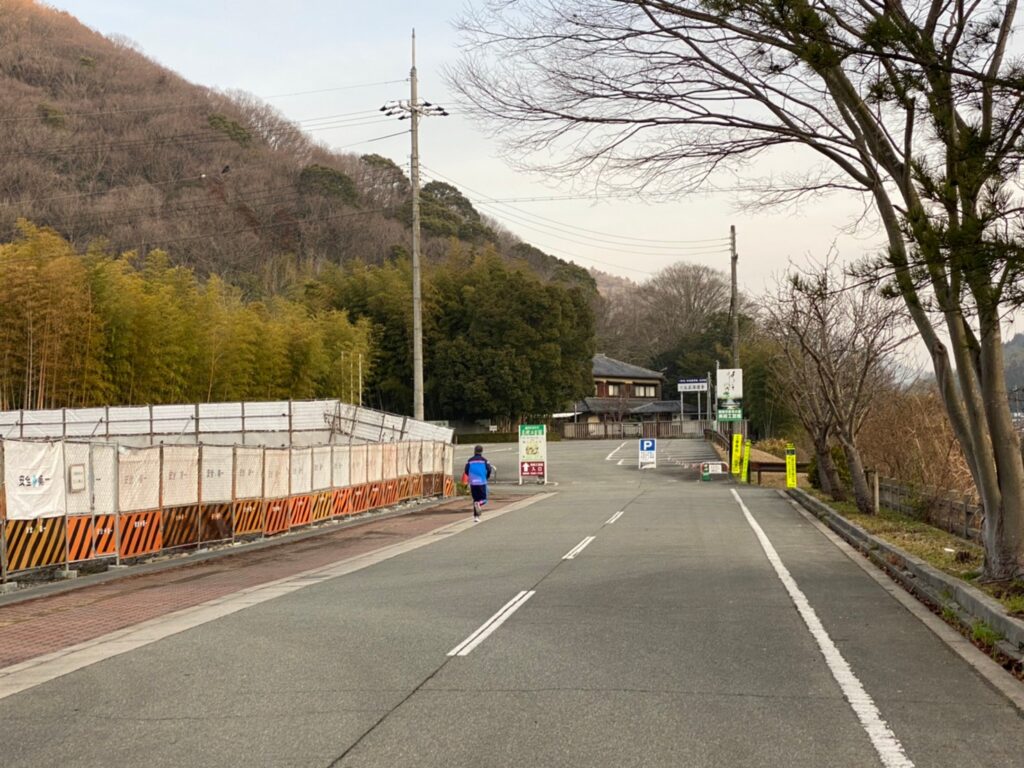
{"x": 466, "y": 647}
{"x": 609, "y": 456}
{"x": 571, "y": 554}
{"x": 888, "y": 747}
{"x": 42, "y": 669}
{"x": 981, "y": 662}
{"x": 614, "y": 517}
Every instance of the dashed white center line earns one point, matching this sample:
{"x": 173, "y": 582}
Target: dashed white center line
{"x": 614, "y": 517}
{"x": 888, "y": 747}
{"x": 571, "y": 554}
{"x": 466, "y": 646}
{"x": 609, "y": 456}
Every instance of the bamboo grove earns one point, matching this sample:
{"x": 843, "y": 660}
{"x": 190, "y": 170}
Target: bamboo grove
{"x": 98, "y": 328}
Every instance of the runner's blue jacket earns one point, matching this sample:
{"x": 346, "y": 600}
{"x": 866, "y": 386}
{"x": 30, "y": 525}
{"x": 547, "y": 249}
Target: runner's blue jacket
{"x": 479, "y": 470}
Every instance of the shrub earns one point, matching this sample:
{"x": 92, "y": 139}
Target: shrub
{"x": 839, "y": 459}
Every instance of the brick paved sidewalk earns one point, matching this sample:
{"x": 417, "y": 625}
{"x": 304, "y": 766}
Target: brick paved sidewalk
{"x": 46, "y": 624}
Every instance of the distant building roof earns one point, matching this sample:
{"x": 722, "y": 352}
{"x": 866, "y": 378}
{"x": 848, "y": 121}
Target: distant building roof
{"x": 599, "y": 405}
{"x": 662, "y": 406}
{"x": 607, "y": 366}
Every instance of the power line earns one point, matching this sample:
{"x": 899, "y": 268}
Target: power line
{"x": 677, "y": 244}
{"x": 606, "y": 245}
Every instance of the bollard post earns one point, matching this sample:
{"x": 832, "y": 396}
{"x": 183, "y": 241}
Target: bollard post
{"x": 117, "y": 504}
{"x": 199, "y": 497}
{"x": 3, "y": 520}
{"x": 64, "y": 481}
{"x": 234, "y": 488}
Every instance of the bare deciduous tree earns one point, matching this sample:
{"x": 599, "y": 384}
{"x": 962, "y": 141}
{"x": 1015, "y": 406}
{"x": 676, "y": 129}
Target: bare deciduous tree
{"x": 914, "y": 105}
{"x": 839, "y": 342}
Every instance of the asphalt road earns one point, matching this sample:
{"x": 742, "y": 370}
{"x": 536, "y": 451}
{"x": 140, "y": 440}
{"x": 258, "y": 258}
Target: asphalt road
{"x": 696, "y": 628}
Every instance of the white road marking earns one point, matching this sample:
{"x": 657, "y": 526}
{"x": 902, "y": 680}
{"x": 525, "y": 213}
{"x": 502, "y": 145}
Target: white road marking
{"x": 571, "y": 554}
{"x": 484, "y": 631}
{"x": 981, "y": 662}
{"x": 614, "y": 517}
{"x": 888, "y": 747}
{"x": 621, "y": 462}
{"x": 42, "y": 669}
{"x": 609, "y": 456}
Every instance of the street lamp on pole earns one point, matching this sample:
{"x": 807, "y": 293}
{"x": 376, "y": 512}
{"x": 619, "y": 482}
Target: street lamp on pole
{"x": 413, "y": 110}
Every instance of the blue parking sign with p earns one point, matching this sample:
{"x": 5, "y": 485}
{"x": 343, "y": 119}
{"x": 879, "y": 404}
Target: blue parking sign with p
{"x": 648, "y": 454}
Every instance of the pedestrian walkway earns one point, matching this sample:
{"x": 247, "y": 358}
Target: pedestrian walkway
{"x": 39, "y": 626}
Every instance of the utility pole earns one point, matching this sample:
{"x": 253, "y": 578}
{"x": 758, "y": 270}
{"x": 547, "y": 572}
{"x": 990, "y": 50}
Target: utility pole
{"x": 413, "y": 109}
{"x": 734, "y": 310}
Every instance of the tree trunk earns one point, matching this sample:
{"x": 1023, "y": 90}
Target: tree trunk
{"x": 858, "y": 479}
{"x": 1004, "y": 518}
{"x": 828, "y": 475}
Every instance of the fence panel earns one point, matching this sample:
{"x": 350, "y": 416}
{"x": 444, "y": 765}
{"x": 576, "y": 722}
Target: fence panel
{"x": 180, "y": 472}
{"x": 74, "y": 501}
{"x": 34, "y": 480}
{"x": 301, "y": 471}
{"x": 340, "y": 464}
{"x": 374, "y": 463}
{"x": 322, "y": 468}
{"x": 275, "y": 473}
{"x": 390, "y": 459}
{"x": 78, "y": 478}
{"x": 138, "y": 479}
{"x": 217, "y": 472}
{"x": 248, "y": 473}
{"x": 358, "y": 471}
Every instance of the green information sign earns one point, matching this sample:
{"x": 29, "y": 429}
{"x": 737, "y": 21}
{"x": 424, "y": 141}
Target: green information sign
{"x": 730, "y": 414}
{"x": 531, "y": 429}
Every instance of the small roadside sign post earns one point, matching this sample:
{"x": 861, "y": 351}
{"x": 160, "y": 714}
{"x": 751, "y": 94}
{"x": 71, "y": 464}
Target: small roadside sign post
{"x": 728, "y": 413}
{"x": 737, "y": 452}
{"x": 647, "y": 458}
{"x": 790, "y": 465}
{"x": 709, "y": 468}
{"x": 690, "y": 385}
{"x": 745, "y": 471}
{"x": 533, "y": 452}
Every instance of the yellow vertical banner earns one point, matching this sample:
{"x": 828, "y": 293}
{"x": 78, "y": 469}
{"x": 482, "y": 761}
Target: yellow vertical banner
{"x": 790, "y": 465}
{"x": 737, "y": 452}
{"x": 745, "y": 473}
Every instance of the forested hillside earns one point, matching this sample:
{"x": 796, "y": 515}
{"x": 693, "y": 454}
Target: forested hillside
{"x": 208, "y": 248}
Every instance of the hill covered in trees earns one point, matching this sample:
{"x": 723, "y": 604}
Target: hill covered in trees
{"x": 214, "y": 250}
{"x": 100, "y": 142}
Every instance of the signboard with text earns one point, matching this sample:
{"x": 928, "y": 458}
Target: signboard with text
{"x": 790, "y": 465}
{"x": 737, "y": 452}
{"x": 693, "y": 385}
{"x": 730, "y": 414}
{"x": 533, "y": 452}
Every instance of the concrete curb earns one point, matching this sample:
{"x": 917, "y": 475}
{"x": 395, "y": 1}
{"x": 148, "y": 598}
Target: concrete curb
{"x": 922, "y": 580}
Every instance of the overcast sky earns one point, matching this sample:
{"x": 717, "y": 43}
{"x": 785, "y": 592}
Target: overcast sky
{"x": 271, "y": 48}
